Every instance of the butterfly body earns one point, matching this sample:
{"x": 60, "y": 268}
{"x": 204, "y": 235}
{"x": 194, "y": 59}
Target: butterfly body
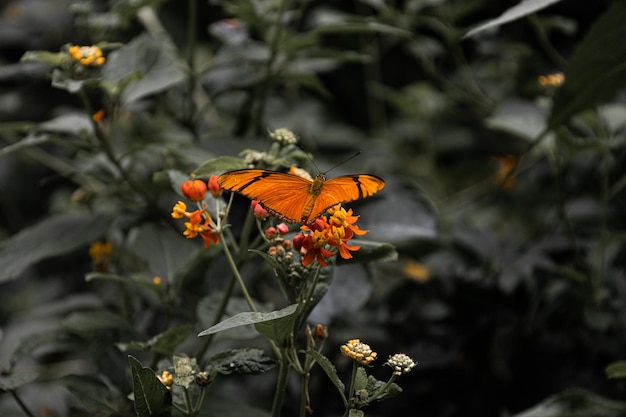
{"x": 295, "y": 199}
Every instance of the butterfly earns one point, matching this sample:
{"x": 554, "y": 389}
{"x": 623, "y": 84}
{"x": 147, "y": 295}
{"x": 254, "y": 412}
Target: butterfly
{"x": 294, "y": 199}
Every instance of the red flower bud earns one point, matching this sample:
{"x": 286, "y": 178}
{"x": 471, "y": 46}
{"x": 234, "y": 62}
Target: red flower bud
{"x": 259, "y": 212}
{"x": 214, "y": 186}
{"x": 282, "y": 228}
{"x": 194, "y": 190}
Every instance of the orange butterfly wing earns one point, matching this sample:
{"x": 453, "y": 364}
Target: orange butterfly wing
{"x": 292, "y": 198}
{"x": 283, "y": 195}
{"x": 345, "y": 189}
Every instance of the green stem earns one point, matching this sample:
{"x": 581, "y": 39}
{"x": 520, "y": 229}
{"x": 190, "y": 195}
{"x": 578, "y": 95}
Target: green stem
{"x": 304, "y": 395}
{"x": 21, "y": 404}
{"x": 349, "y": 400}
{"x": 234, "y": 268}
{"x": 281, "y": 386}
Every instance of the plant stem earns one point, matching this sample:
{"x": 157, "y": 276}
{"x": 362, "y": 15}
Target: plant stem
{"x": 234, "y": 268}
{"x": 281, "y": 385}
{"x": 21, "y": 404}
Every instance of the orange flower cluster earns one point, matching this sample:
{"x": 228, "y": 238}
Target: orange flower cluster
{"x": 325, "y": 233}
{"x": 199, "y": 223}
{"x": 87, "y": 55}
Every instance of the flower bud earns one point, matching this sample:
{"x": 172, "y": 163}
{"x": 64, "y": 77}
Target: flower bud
{"x": 193, "y": 190}
{"x": 271, "y": 233}
{"x": 259, "y": 212}
{"x": 214, "y": 186}
{"x": 282, "y": 228}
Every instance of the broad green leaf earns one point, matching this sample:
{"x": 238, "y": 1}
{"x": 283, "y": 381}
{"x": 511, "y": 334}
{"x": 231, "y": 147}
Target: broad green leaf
{"x": 54, "y": 236}
{"x": 330, "y": 371}
{"x": 356, "y": 413}
{"x": 245, "y": 318}
{"x": 218, "y": 165}
{"x": 247, "y": 361}
{"x": 156, "y": 63}
{"x": 142, "y": 280}
{"x": 165, "y": 251}
{"x": 524, "y": 8}
{"x": 17, "y": 379}
{"x": 61, "y": 81}
{"x": 28, "y": 141}
{"x": 184, "y": 371}
{"x": 616, "y": 370}
{"x": 92, "y": 393}
{"x": 371, "y": 252}
{"x": 279, "y": 328}
{"x": 164, "y": 343}
{"x": 89, "y": 321}
{"x": 576, "y": 403}
{"x": 152, "y": 398}
{"x": 597, "y": 70}
{"x": 71, "y": 123}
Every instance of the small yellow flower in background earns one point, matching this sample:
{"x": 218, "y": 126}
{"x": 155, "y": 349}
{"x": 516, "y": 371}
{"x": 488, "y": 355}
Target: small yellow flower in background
{"x": 551, "y": 80}
{"x": 401, "y": 364}
{"x": 504, "y": 176}
{"x": 358, "y": 352}
{"x": 156, "y": 280}
{"x": 99, "y": 116}
{"x": 284, "y": 136}
{"x": 88, "y": 56}
{"x": 166, "y": 379}
{"x": 100, "y": 253}
{"x": 180, "y": 210}
{"x": 417, "y": 271}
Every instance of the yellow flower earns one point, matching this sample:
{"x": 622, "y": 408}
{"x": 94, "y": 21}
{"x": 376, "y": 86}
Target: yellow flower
{"x": 100, "y": 253}
{"x": 166, "y": 379}
{"x": 358, "y": 352}
{"x": 180, "y": 210}
{"x": 87, "y": 55}
{"x": 551, "y": 80}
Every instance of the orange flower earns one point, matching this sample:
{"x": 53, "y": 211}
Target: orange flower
{"x": 194, "y": 190}
{"x": 504, "y": 174}
{"x": 87, "y": 55}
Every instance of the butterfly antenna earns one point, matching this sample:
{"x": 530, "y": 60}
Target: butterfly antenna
{"x": 344, "y": 161}
{"x": 309, "y": 156}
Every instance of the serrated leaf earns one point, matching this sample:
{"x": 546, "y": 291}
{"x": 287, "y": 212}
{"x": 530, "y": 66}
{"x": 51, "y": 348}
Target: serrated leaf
{"x": 17, "y": 379}
{"x": 523, "y": 8}
{"x": 330, "y": 371}
{"x": 245, "y": 318}
{"x": 247, "y": 361}
{"x": 152, "y": 398}
{"x": 220, "y": 164}
{"x": 54, "y": 236}
{"x": 597, "y": 70}
{"x": 616, "y": 370}
{"x": 355, "y": 413}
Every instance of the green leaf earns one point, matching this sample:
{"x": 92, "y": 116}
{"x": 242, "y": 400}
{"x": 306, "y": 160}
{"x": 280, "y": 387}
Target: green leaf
{"x": 142, "y": 280}
{"x": 54, "y": 236}
{"x": 524, "y": 8}
{"x": 61, "y": 81}
{"x": 247, "y": 361}
{"x": 157, "y": 65}
{"x": 217, "y": 165}
{"x": 330, "y": 371}
{"x": 356, "y": 413}
{"x": 90, "y": 321}
{"x": 371, "y": 252}
{"x": 164, "y": 343}
{"x": 152, "y": 398}
{"x": 245, "y": 318}
{"x": 28, "y": 141}
{"x": 53, "y": 58}
{"x": 184, "y": 371}
{"x": 576, "y": 403}
{"x": 597, "y": 70}
{"x": 92, "y": 393}
{"x": 165, "y": 251}
{"x": 616, "y": 370}
{"x": 17, "y": 379}
{"x": 279, "y": 328}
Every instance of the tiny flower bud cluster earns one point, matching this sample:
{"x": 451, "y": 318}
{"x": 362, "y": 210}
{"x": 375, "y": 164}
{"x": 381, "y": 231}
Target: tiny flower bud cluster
{"x": 401, "y": 364}
{"x": 88, "y": 56}
{"x": 101, "y": 253}
{"x": 284, "y": 136}
{"x": 359, "y": 352}
{"x": 551, "y": 80}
